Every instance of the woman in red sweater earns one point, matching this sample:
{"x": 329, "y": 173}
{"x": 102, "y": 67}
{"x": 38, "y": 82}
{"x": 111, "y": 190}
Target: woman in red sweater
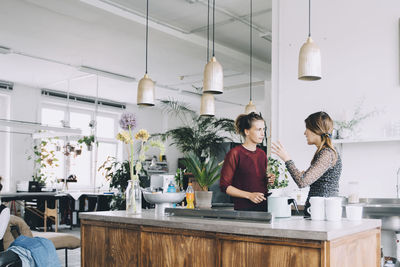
{"x": 243, "y": 175}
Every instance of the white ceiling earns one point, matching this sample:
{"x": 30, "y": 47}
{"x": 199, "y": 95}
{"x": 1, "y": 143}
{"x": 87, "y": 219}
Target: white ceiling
{"x": 51, "y": 39}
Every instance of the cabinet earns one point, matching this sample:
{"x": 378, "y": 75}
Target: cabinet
{"x": 118, "y": 244}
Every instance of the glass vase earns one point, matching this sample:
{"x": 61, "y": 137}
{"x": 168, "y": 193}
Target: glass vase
{"x": 133, "y": 197}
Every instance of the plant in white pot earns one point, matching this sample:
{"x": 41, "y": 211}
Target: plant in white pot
{"x": 278, "y": 168}
{"x": 205, "y": 173}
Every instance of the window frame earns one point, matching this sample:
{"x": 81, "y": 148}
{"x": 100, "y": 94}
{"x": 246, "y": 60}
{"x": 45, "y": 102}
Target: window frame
{"x": 91, "y": 110}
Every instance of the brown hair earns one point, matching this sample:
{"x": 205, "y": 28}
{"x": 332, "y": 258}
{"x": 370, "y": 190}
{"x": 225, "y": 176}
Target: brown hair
{"x": 244, "y": 122}
{"x": 321, "y": 124}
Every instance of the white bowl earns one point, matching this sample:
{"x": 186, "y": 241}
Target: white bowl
{"x": 159, "y": 197}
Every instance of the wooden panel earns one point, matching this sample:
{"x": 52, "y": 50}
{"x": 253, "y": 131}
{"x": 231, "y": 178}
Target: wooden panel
{"x": 238, "y": 253}
{"x": 159, "y": 249}
{"x": 93, "y": 245}
{"x": 123, "y": 247}
{"x": 109, "y": 246}
{"x": 356, "y": 250}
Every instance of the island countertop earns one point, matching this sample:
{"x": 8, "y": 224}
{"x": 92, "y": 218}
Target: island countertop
{"x": 294, "y": 227}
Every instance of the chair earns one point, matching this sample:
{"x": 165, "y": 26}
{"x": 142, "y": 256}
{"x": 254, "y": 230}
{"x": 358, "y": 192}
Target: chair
{"x": 50, "y": 213}
{"x": 60, "y": 240}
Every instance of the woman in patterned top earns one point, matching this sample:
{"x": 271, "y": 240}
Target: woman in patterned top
{"x": 326, "y": 166}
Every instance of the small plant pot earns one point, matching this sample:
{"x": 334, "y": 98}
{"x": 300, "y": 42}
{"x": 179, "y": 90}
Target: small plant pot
{"x": 203, "y": 199}
{"x": 89, "y": 147}
{"x": 276, "y": 192}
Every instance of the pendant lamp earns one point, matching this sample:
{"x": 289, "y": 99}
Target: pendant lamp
{"x": 250, "y": 107}
{"x": 213, "y": 81}
{"x": 310, "y": 56}
{"x": 146, "y": 87}
{"x": 207, "y": 105}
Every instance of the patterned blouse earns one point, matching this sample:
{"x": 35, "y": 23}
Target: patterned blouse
{"x": 322, "y": 176}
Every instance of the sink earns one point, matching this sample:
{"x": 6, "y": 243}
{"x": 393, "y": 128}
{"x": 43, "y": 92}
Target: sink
{"x": 386, "y": 209}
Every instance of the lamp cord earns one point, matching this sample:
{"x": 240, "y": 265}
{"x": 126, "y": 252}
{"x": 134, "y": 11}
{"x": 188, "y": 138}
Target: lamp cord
{"x": 213, "y": 54}
{"x": 251, "y": 48}
{"x": 208, "y": 30}
{"x": 309, "y": 18}
{"x": 147, "y": 30}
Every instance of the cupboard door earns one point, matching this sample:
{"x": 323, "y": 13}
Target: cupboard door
{"x": 160, "y": 249}
{"x": 109, "y": 246}
{"x": 93, "y": 242}
{"x": 241, "y": 253}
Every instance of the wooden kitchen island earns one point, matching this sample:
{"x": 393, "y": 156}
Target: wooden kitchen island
{"x": 114, "y": 238}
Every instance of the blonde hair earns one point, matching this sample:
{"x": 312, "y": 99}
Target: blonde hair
{"x": 321, "y": 124}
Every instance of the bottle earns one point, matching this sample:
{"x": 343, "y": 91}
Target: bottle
{"x": 190, "y": 196}
{"x": 171, "y": 189}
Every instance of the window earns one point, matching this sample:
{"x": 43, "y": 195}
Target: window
{"x": 82, "y": 165}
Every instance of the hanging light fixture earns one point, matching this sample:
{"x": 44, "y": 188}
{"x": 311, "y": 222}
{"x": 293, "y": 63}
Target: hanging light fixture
{"x": 213, "y": 81}
{"x": 207, "y": 104}
{"x": 146, "y": 87}
{"x": 310, "y": 56}
{"x": 250, "y": 107}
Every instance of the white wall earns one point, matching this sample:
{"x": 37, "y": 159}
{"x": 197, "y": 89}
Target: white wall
{"x": 5, "y": 141}
{"x": 24, "y": 106}
{"x": 359, "y": 42}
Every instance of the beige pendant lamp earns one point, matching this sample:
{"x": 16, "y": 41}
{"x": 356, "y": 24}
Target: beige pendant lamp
{"x": 146, "y": 87}
{"x": 250, "y": 107}
{"x": 213, "y": 81}
{"x": 207, "y": 105}
{"x": 310, "y": 56}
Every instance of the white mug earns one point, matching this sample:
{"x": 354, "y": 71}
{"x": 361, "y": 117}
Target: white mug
{"x": 333, "y": 208}
{"x": 353, "y": 212}
{"x": 317, "y": 208}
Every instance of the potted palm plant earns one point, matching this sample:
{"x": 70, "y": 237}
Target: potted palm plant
{"x": 206, "y": 173}
{"x": 197, "y": 134}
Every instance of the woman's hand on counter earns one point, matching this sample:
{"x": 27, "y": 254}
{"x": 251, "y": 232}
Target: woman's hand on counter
{"x": 256, "y": 197}
{"x": 279, "y": 150}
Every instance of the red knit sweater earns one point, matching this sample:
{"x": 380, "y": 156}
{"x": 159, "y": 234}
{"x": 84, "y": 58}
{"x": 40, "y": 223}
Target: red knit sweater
{"x": 245, "y": 170}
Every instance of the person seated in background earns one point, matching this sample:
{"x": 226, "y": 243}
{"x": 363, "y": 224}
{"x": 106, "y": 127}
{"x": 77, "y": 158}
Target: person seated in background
{"x": 32, "y": 252}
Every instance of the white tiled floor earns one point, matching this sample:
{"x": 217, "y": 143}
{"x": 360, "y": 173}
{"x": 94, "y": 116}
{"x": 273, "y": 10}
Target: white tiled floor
{"x": 74, "y": 256}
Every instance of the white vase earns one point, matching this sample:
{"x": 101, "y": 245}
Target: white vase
{"x": 276, "y": 192}
{"x": 203, "y": 199}
{"x": 345, "y": 134}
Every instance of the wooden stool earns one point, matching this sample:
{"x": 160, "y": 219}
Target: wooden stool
{"x": 51, "y": 213}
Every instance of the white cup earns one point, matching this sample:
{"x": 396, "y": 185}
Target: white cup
{"x": 317, "y": 208}
{"x": 354, "y": 213}
{"x": 333, "y": 208}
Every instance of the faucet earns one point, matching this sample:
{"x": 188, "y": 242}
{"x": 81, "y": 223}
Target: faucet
{"x": 397, "y": 186}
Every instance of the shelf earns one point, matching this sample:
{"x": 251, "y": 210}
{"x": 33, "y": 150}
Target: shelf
{"x": 366, "y": 140}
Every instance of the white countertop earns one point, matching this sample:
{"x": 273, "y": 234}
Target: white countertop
{"x": 294, "y": 227}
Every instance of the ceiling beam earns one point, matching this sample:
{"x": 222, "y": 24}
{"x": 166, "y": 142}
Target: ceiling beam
{"x": 132, "y": 15}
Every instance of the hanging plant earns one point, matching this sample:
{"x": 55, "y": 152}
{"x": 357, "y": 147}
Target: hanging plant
{"x": 88, "y": 141}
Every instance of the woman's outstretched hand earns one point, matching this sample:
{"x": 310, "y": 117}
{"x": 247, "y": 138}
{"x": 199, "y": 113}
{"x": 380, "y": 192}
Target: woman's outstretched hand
{"x": 280, "y": 151}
